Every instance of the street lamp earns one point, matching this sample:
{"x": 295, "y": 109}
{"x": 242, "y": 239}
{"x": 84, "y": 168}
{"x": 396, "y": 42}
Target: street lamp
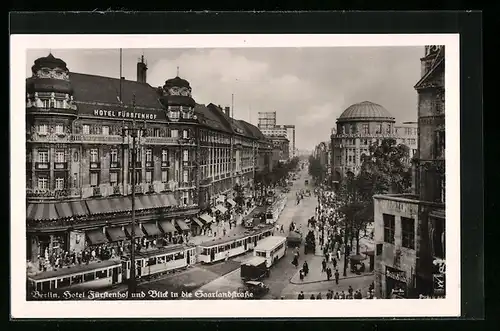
{"x": 133, "y": 132}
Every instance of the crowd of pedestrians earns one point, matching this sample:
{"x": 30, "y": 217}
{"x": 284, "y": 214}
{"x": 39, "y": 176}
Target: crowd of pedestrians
{"x": 340, "y": 295}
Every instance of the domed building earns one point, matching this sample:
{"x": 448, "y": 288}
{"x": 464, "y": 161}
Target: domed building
{"x": 359, "y": 126}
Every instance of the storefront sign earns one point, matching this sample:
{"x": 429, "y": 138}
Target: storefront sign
{"x": 395, "y": 274}
{"x": 123, "y": 114}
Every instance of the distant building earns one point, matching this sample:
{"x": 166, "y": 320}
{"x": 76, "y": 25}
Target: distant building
{"x": 360, "y": 126}
{"x": 410, "y": 228}
{"x": 267, "y": 124}
{"x": 281, "y": 148}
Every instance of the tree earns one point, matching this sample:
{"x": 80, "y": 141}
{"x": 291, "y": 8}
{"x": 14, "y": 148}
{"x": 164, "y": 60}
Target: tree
{"x": 316, "y": 169}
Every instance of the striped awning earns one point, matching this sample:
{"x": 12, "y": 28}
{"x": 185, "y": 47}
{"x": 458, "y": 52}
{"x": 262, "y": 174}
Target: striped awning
{"x": 79, "y": 208}
{"x": 99, "y": 206}
{"x": 198, "y": 221}
{"x": 96, "y": 237}
{"x": 207, "y": 218}
{"x": 146, "y": 202}
{"x": 182, "y": 225}
{"x": 139, "y": 204}
{"x": 167, "y": 227}
{"x": 138, "y": 232}
{"x": 64, "y": 209}
{"x": 155, "y": 201}
{"x": 151, "y": 229}
{"x": 117, "y": 205}
{"x": 116, "y": 233}
{"x": 41, "y": 211}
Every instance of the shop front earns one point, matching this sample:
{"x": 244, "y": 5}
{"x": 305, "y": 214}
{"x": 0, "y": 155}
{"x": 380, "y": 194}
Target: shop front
{"x": 396, "y": 283}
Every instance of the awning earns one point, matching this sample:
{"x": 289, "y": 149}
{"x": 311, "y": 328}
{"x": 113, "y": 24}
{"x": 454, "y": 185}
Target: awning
{"x": 155, "y": 201}
{"x": 118, "y": 205}
{"x": 116, "y": 233}
{"x": 96, "y": 237}
{"x": 182, "y": 225}
{"x": 64, "y": 210}
{"x": 167, "y": 227}
{"x": 79, "y": 208}
{"x": 146, "y": 201}
{"x": 151, "y": 229}
{"x": 207, "y": 218}
{"x": 98, "y": 206}
{"x": 221, "y": 209}
{"x": 41, "y": 211}
{"x": 231, "y": 202}
{"x": 197, "y": 221}
{"x": 138, "y": 231}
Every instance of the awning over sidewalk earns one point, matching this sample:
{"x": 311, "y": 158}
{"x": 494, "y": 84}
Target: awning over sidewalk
{"x": 116, "y": 233}
{"x": 221, "y": 209}
{"x": 64, "y": 210}
{"x": 79, "y": 208}
{"x": 96, "y": 237}
{"x": 98, "y": 206}
{"x": 198, "y": 221}
{"x": 151, "y": 229}
{"x": 207, "y": 218}
{"x": 41, "y": 211}
{"x": 231, "y": 202}
{"x": 118, "y": 204}
{"x": 167, "y": 227}
{"x": 138, "y": 231}
{"x": 182, "y": 225}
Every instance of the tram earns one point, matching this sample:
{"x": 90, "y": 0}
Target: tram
{"x": 220, "y": 249}
{"x": 155, "y": 263}
{"x": 96, "y": 275}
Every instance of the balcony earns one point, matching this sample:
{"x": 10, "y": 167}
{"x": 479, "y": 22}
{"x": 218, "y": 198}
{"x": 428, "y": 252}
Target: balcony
{"x": 47, "y": 138}
{"x": 186, "y": 141}
{"x": 96, "y": 191}
{"x": 95, "y": 165}
{"x": 60, "y": 166}
{"x": 138, "y": 189}
{"x": 186, "y": 185}
{"x": 161, "y": 141}
{"x": 42, "y": 165}
{"x": 150, "y": 164}
{"x": 114, "y": 164}
{"x": 165, "y": 164}
{"x": 117, "y": 190}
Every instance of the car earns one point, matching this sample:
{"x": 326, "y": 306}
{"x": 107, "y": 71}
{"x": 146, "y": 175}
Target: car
{"x": 258, "y": 289}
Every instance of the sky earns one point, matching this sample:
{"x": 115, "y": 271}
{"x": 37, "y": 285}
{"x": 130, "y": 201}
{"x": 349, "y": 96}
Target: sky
{"x": 307, "y": 87}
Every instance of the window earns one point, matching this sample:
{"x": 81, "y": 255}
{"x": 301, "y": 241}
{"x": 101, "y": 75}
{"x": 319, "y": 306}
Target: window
{"x": 350, "y": 158}
{"x": 408, "y": 232}
{"x": 43, "y": 156}
{"x": 366, "y": 129}
{"x": 185, "y": 134}
{"x": 185, "y": 198}
{"x": 94, "y": 179}
{"x": 149, "y": 155}
{"x": 185, "y": 176}
{"x": 438, "y": 238}
{"x": 388, "y": 129}
{"x": 105, "y": 130}
{"x": 59, "y": 129}
{"x": 186, "y": 155}
{"x": 59, "y": 183}
{"x": 101, "y": 274}
{"x": 113, "y": 178}
{"x": 86, "y": 129}
{"x": 89, "y": 276}
{"x": 439, "y": 144}
{"x": 42, "y": 129}
{"x": 164, "y": 176}
{"x": 43, "y": 183}
{"x": 45, "y": 103}
{"x": 94, "y": 155}
{"x": 389, "y": 227}
{"x": 379, "y": 129}
{"x": 59, "y": 156}
{"x": 138, "y": 155}
{"x": 379, "y": 249}
{"x": 149, "y": 176}
{"x": 164, "y": 155}
{"x": 114, "y": 155}
{"x": 174, "y": 133}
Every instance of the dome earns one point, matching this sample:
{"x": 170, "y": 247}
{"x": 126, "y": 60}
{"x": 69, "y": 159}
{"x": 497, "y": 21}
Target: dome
{"x": 176, "y": 82}
{"x": 366, "y": 110}
{"x": 50, "y": 62}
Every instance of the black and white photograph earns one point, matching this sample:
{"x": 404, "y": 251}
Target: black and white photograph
{"x": 213, "y": 175}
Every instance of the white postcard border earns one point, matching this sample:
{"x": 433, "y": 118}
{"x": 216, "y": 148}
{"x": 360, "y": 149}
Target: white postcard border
{"x": 20, "y": 308}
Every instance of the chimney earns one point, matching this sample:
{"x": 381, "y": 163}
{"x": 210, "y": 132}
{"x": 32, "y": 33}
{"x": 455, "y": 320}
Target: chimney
{"x": 227, "y": 110}
{"x": 141, "y": 70}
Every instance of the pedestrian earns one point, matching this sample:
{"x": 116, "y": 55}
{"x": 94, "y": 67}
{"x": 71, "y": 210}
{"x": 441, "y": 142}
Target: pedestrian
{"x": 323, "y": 265}
{"x": 301, "y": 274}
{"x": 328, "y": 273}
{"x": 295, "y": 261}
{"x": 337, "y": 275}
{"x": 318, "y": 297}
{"x": 334, "y": 263}
{"x": 336, "y": 296}
{"x": 305, "y": 266}
{"x": 350, "y": 290}
{"x": 342, "y": 295}
{"x": 301, "y": 296}
{"x": 312, "y": 297}
{"x": 338, "y": 254}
